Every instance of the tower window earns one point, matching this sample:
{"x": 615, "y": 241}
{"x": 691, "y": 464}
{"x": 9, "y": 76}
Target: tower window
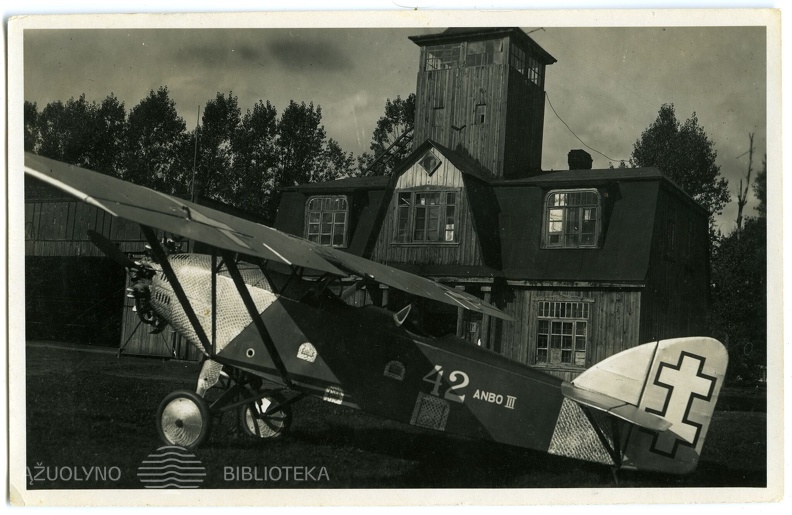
{"x": 438, "y": 117}
{"x": 571, "y": 219}
{"x": 527, "y": 65}
{"x": 327, "y": 220}
{"x": 483, "y": 53}
{"x": 481, "y": 114}
{"x": 441, "y": 57}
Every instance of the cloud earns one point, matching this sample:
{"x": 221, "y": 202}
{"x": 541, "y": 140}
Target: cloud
{"x": 298, "y": 53}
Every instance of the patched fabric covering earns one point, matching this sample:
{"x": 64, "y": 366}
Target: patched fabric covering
{"x": 194, "y": 274}
{"x": 430, "y": 412}
{"x": 575, "y": 437}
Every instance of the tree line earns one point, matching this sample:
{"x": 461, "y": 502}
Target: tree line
{"x": 244, "y": 159}
{"x": 241, "y": 159}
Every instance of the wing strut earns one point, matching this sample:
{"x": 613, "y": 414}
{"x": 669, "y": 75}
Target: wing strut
{"x": 255, "y": 315}
{"x": 162, "y": 259}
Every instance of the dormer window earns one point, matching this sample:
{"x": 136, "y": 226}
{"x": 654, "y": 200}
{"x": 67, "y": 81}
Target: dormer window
{"x": 427, "y": 216}
{"x": 327, "y": 219}
{"x": 572, "y": 219}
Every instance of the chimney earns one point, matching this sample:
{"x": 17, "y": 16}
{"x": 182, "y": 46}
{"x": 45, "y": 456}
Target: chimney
{"x": 579, "y": 160}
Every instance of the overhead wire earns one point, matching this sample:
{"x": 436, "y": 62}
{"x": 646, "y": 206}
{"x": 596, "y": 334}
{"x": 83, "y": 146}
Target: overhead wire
{"x": 575, "y": 135}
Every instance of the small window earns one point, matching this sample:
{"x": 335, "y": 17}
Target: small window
{"x": 572, "y": 219}
{"x": 562, "y": 333}
{"x": 481, "y": 114}
{"x": 441, "y": 57}
{"x": 426, "y": 217}
{"x": 438, "y": 117}
{"x": 327, "y": 220}
{"x": 429, "y": 162}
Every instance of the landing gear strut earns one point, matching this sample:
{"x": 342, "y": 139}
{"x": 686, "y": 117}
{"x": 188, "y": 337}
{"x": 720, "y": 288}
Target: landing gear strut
{"x": 184, "y": 417}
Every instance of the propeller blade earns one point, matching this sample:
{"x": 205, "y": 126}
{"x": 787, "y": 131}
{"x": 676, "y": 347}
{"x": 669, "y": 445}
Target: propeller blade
{"x": 110, "y": 249}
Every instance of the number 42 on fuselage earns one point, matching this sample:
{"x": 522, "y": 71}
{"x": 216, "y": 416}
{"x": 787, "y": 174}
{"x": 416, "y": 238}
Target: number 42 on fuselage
{"x": 258, "y": 319}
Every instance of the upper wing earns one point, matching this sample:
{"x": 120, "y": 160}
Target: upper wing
{"x": 151, "y": 208}
{"x": 154, "y": 209}
{"x": 408, "y": 282}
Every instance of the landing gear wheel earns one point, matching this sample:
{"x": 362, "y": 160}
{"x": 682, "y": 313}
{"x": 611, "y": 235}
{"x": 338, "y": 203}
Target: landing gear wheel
{"x": 255, "y": 423}
{"x": 183, "y": 419}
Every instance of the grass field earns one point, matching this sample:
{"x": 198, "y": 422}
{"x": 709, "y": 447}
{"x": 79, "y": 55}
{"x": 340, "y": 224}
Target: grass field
{"x": 88, "y": 408}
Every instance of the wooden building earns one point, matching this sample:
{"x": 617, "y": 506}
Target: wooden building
{"x": 588, "y": 262}
{"x": 73, "y": 292}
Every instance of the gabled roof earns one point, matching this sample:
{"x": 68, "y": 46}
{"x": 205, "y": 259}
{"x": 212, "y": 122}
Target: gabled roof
{"x": 461, "y": 161}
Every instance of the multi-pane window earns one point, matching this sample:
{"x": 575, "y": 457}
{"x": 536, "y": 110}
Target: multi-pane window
{"x": 572, "y": 219}
{"x": 441, "y": 57}
{"x": 562, "y": 333}
{"x": 326, "y": 221}
{"x": 527, "y": 65}
{"x": 482, "y": 53}
{"x": 426, "y": 216}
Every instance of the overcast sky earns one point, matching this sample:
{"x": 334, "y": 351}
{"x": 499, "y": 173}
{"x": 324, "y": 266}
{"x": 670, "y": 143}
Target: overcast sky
{"x": 607, "y": 85}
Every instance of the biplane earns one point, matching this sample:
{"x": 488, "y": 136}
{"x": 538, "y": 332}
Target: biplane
{"x": 265, "y": 311}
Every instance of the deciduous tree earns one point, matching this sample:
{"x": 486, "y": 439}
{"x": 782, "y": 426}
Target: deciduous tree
{"x": 157, "y": 150}
{"x": 684, "y": 153}
{"x": 301, "y": 137}
{"x": 399, "y": 118}
{"x": 256, "y": 158}
{"x": 220, "y": 124}
{"x": 32, "y": 134}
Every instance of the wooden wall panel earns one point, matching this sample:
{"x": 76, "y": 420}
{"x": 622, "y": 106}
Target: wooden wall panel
{"x": 466, "y": 252}
{"x": 613, "y": 324}
{"x": 458, "y": 91}
{"x": 137, "y": 340}
{"x": 676, "y": 299}
{"x": 60, "y": 228}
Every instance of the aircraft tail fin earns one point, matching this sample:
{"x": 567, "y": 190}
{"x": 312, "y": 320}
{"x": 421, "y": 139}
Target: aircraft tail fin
{"x": 667, "y": 390}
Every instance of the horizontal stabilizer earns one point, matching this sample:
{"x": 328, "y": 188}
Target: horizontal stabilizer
{"x": 615, "y": 407}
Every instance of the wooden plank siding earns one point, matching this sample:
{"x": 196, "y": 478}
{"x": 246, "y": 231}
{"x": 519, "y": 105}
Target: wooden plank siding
{"x": 613, "y": 324}
{"x": 454, "y": 94}
{"x": 137, "y": 340}
{"x": 57, "y": 231}
{"x": 466, "y": 252}
{"x": 676, "y": 299}
{"x": 523, "y": 127}
{"x": 60, "y": 228}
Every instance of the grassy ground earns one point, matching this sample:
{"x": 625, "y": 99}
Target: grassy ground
{"x": 87, "y": 408}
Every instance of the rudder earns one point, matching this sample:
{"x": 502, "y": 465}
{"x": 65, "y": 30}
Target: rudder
{"x": 678, "y": 380}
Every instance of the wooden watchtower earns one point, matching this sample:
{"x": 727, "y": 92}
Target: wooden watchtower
{"x": 481, "y": 92}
